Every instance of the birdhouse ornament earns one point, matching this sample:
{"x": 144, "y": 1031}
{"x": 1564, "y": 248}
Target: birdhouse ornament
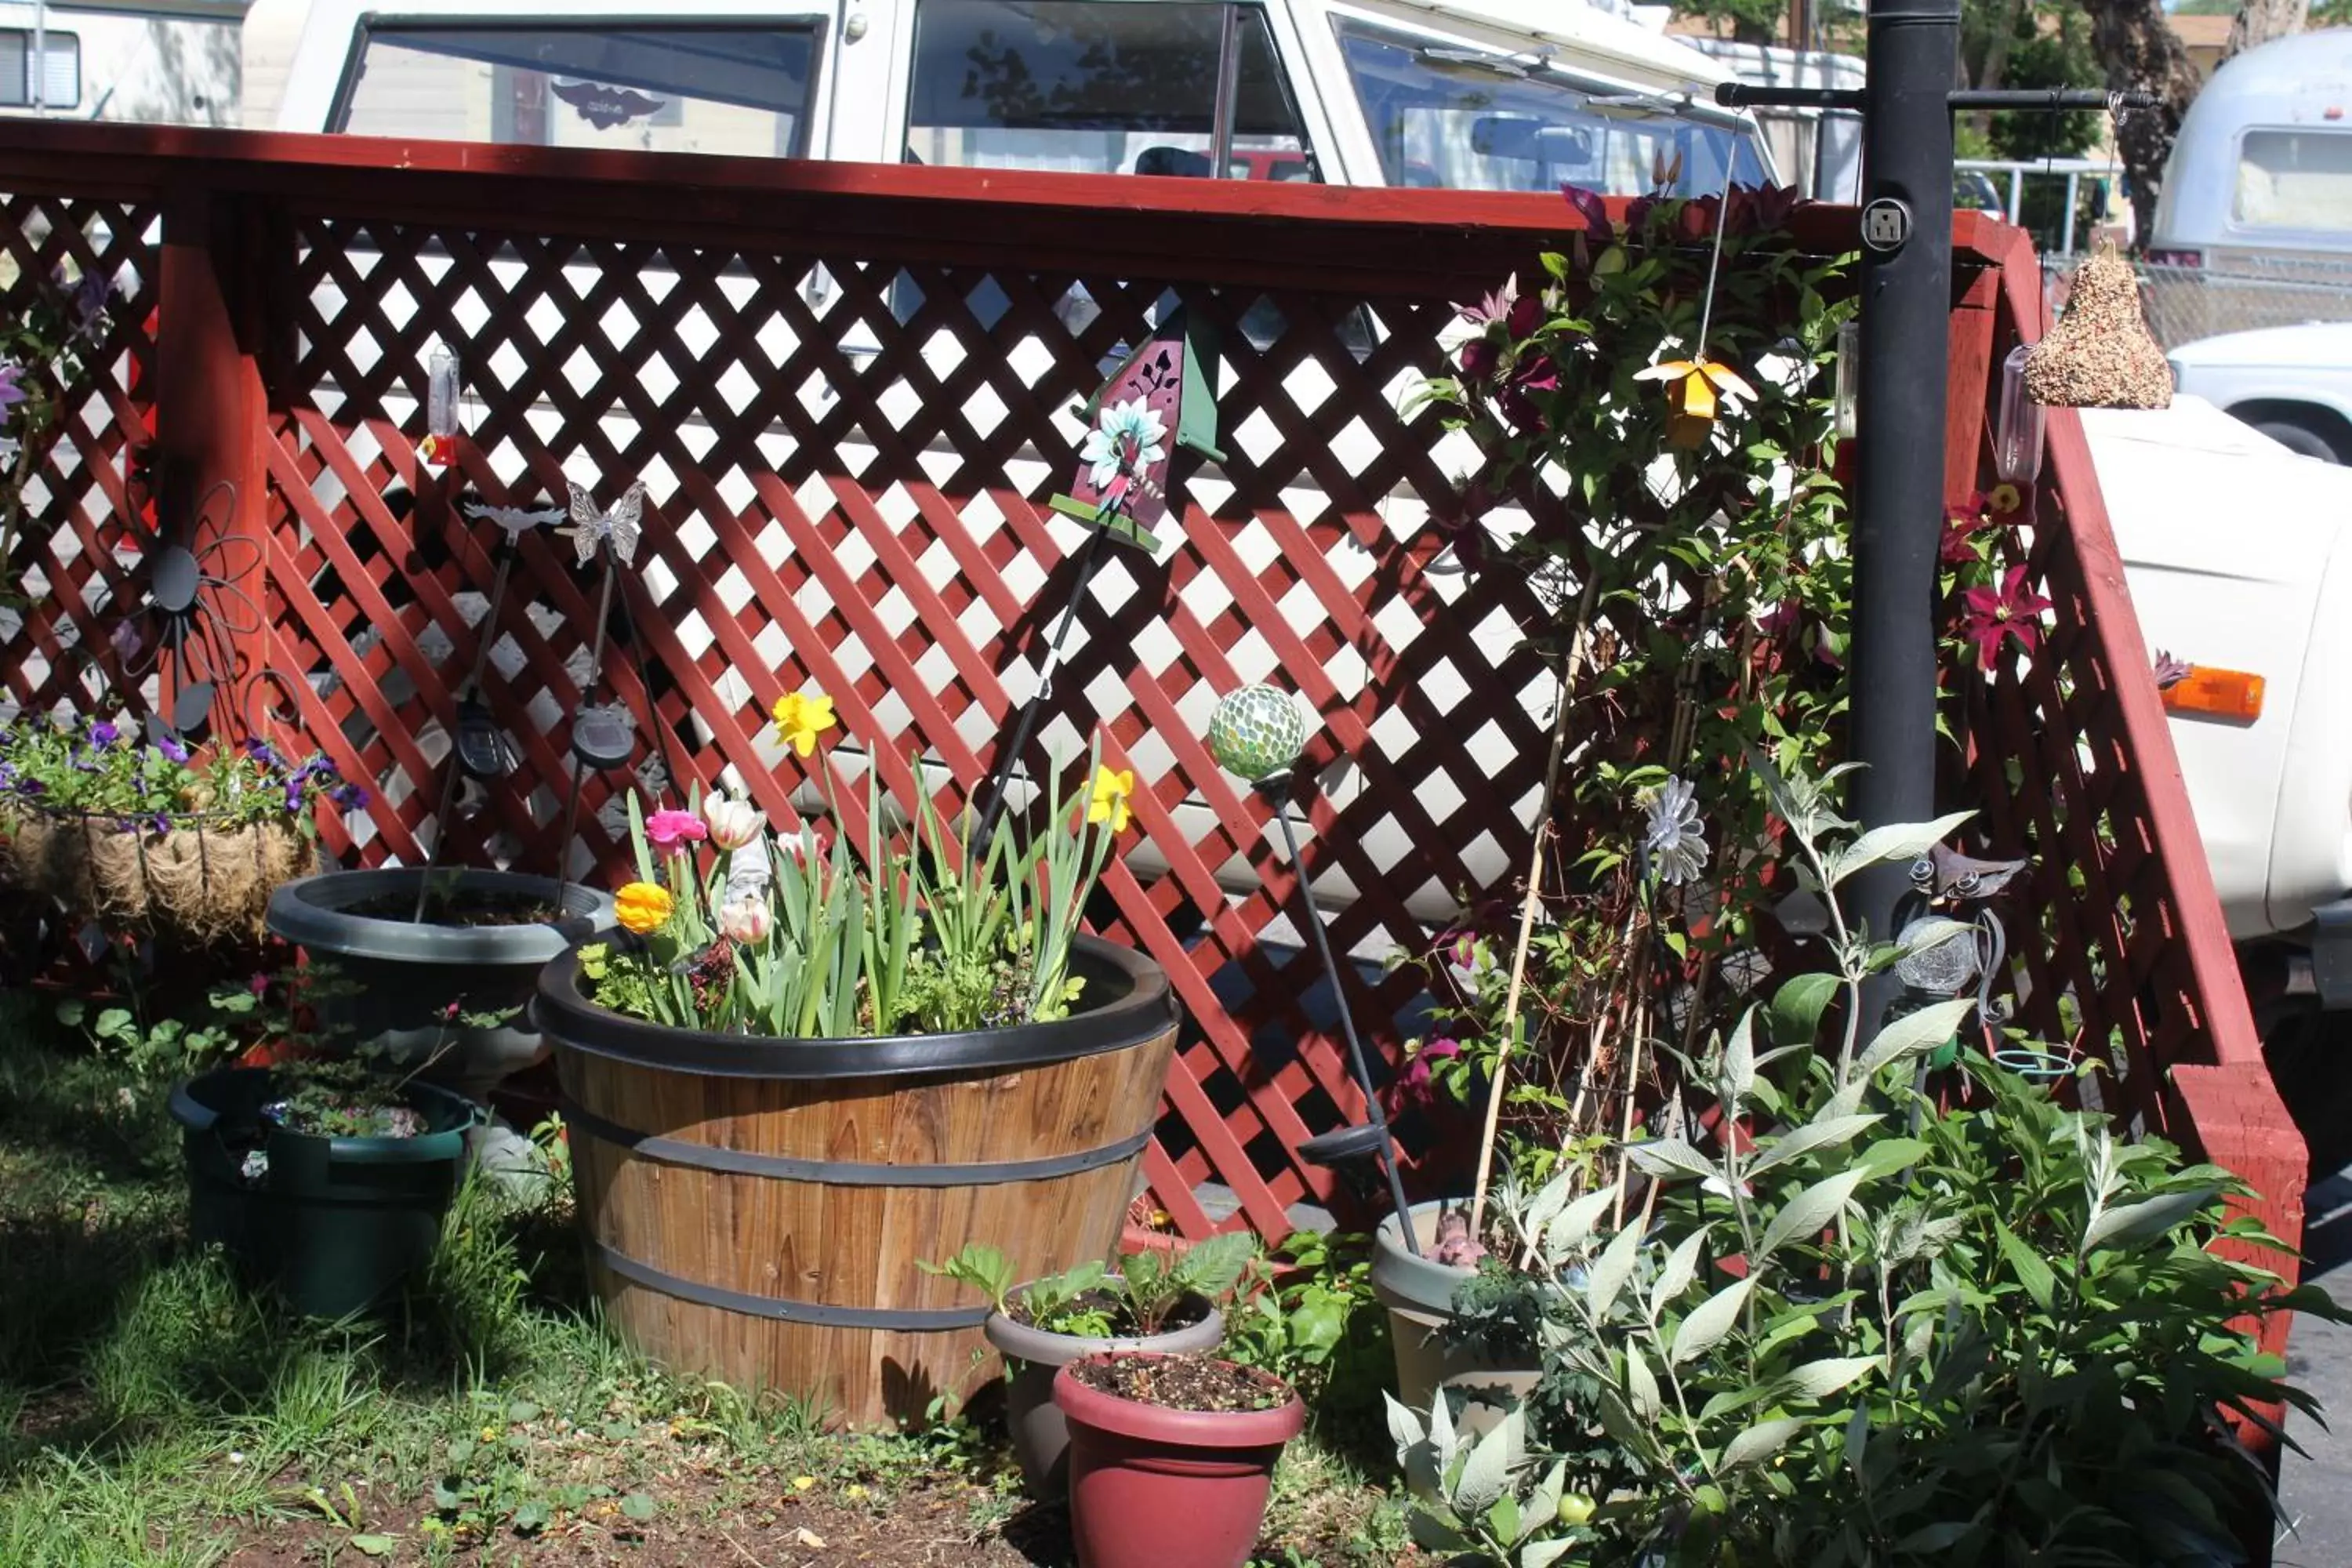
{"x": 1158, "y": 400}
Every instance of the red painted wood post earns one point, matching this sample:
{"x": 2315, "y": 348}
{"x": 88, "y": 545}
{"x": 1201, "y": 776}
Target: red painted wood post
{"x": 211, "y": 408}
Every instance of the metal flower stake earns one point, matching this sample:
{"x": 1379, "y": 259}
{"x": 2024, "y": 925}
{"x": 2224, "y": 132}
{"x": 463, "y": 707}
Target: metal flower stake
{"x": 1159, "y": 391}
{"x": 1256, "y": 735}
{"x": 601, "y": 737}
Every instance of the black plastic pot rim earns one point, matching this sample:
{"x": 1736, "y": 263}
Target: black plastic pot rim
{"x": 313, "y": 912}
{"x": 425, "y": 1148}
{"x": 1144, "y": 1011}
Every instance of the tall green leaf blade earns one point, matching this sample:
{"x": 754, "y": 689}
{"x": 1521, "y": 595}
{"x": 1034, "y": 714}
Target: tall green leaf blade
{"x": 1815, "y": 1135}
{"x": 1609, "y": 1272}
{"x": 1896, "y": 841}
{"x": 1820, "y": 1379}
{"x": 1798, "y": 1006}
{"x": 1681, "y": 1269}
{"x": 2031, "y": 1272}
{"x": 1759, "y": 1441}
{"x": 1739, "y": 1057}
{"x": 2129, "y": 1225}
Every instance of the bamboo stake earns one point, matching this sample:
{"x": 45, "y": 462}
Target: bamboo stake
{"x": 1572, "y": 665}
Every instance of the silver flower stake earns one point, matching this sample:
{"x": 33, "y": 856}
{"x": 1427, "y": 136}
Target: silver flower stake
{"x": 1675, "y": 840}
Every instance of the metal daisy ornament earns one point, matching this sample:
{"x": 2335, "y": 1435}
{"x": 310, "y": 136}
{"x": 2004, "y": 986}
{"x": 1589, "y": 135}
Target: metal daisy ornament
{"x": 1674, "y": 841}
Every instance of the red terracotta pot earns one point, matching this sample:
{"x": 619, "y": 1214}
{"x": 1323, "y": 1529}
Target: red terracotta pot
{"x": 1151, "y": 1487}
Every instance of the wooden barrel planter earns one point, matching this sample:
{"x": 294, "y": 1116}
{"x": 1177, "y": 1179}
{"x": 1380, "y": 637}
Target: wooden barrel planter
{"x": 756, "y": 1209}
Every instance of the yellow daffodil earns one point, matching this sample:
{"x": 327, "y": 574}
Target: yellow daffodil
{"x": 801, "y": 718}
{"x": 1692, "y": 385}
{"x": 643, "y": 908}
{"x": 1110, "y": 793}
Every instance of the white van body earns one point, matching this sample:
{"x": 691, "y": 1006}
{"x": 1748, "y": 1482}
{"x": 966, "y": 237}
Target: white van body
{"x": 167, "y": 62}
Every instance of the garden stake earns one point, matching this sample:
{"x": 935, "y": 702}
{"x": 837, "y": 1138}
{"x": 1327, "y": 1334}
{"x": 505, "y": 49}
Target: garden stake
{"x": 1275, "y": 787}
{"x": 1089, "y": 560}
{"x": 467, "y": 693}
{"x": 1572, "y": 665}
{"x": 590, "y": 530}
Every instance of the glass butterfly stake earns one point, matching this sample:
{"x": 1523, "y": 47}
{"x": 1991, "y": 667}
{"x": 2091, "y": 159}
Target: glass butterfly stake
{"x": 602, "y": 737}
{"x": 1161, "y": 390}
{"x": 478, "y": 749}
{"x": 1256, "y": 735}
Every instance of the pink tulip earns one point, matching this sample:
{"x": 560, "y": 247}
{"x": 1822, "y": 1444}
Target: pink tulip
{"x": 733, "y": 823}
{"x": 746, "y": 921}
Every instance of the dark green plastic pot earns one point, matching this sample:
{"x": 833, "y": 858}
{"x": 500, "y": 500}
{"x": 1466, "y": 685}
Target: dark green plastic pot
{"x": 335, "y": 1224}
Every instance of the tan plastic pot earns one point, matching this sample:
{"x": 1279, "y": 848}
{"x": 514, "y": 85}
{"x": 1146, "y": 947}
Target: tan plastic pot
{"x": 1418, "y": 1292}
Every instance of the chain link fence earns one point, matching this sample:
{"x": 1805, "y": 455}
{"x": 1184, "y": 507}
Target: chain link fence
{"x": 2186, "y": 303}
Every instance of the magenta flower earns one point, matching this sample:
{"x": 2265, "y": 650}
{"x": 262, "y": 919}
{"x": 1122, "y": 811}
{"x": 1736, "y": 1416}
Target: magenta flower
{"x": 666, "y": 830}
{"x": 1590, "y": 211}
{"x": 1527, "y": 314}
{"x": 1990, "y": 615}
{"x": 1478, "y": 358}
{"x": 1413, "y": 1087}
{"x": 1959, "y": 546}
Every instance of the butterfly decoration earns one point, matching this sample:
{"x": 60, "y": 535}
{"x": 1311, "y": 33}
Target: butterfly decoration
{"x": 622, "y": 524}
{"x": 606, "y": 107}
{"x": 1947, "y": 876}
{"x": 517, "y": 520}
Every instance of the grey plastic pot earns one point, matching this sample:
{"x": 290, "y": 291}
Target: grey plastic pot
{"x": 1418, "y": 1292}
{"x": 395, "y": 980}
{"x": 1041, "y": 1434}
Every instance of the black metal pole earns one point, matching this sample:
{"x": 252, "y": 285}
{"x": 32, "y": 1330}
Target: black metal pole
{"x": 1907, "y": 298}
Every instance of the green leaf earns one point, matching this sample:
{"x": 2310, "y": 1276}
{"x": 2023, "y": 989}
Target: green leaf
{"x": 1810, "y": 1211}
{"x": 1739, "y": 1057}
{"x": 2031, "y": 1272}
{"x": 1489, "y": 1469}
{"x": 1544, "y": 1554}
{"x": 1642, "y": 1386}
{"x": 522, "y": 1410}
{"x": 2129, "y": 1225}
{"x": 1576, "y": 1221}
{"x": 1897, "y": 841}
{"x": 1665, "y": 1156}
{"x": 531, "y": 1517}
{"x": 1681, "y": 1269}
{"x": 1759, "y": 1441}
{"x": 1820, "y": 1379}
{"x": 374, "y": 1545}
{"x": 1929, "y": 1027}
{"x": 1936, "y": 1537}
{"x": 1612, "y": 1270}
{"x": 1709, "y": 1321}
{"x": 1815, "y": 1134}
{"x": 113, "y": 1021}
{"x": 1798, "y": 1006}
{"x": 639, "y": 1507}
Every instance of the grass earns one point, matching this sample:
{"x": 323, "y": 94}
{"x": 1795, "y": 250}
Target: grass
{"x": 155, "y": 1412}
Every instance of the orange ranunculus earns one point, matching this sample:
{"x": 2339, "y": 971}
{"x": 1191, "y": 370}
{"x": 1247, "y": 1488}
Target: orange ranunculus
{"x": 643, "y": 908}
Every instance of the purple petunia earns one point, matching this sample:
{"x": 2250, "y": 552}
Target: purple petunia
{"x": 103, "y": 735}
{"x": 261, "y": 751}
{"x": 349, "y": 797}
{"x": 172, "y": 750}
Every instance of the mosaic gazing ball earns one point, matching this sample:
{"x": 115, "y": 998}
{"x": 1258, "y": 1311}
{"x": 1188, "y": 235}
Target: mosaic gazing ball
{"x": 1256, "y": 732}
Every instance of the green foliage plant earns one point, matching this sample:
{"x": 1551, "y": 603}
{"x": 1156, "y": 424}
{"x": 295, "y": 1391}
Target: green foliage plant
{"x": 1869, "y": 1330}
{"x": 1142, "y": 1297}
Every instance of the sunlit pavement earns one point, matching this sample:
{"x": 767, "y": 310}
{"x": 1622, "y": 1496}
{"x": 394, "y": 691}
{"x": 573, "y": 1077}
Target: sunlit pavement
{"x": 2316, "y": 1486}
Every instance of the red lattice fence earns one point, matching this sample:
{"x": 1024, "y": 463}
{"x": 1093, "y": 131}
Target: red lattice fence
{"x": 848, "y": 389}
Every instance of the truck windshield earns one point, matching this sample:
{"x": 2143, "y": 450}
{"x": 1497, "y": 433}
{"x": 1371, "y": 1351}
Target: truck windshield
{"x": 742, "y": 90}
{"x": 1463, "y": 118}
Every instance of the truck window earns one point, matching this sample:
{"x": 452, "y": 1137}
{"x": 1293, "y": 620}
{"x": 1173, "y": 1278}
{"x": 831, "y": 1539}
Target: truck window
{"x": 1465, "y": 118}
{"x": 2295, "y": 179}
{"x": 1097, "y": 87}
{"x": 740, "y": 90}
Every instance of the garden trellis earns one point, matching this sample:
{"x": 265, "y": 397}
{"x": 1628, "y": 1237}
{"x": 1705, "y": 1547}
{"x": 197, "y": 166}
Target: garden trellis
{"x": 848, "y": 389}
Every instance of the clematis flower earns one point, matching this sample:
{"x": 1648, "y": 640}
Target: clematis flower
{"x": 746, "y": 921}
{"x": 1590, "y": 211}
{"x": 2170, "y": 672}
{"x": 1413, "y": 1087}
{"x": 1959, "y": 546}
{"x": 90, "y": 297}
{"x": 1674, "y": 838}
{"x": 1495, "y": 307}
{"x": 1691, "y": 389}
{"x": 666, "y": 830}
{"x": 801, "y": 718}
{"x": 1478, "y": 358}
{"x": 1111, "y": 791}
{"x": 733, "y": 823}
{"x": 1125, "y": 441}
{"x": 1989, "y": 615}
{"x": 643, "y": 908}
{"x": 12, "y": 387}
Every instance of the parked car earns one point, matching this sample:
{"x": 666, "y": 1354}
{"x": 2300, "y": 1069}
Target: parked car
{"x": 2292, "y": 384}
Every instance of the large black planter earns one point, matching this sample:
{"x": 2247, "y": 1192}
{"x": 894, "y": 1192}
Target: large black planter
{"x": 394, "y": 981}
{"x": 759, "y": 1210}
{"x": 335, "y": 1224}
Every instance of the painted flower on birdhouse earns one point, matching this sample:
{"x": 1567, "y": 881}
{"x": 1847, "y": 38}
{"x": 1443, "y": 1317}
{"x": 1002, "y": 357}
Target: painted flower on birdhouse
{"x": 1130, "y": 440}
{"x": 1692, "y": 388}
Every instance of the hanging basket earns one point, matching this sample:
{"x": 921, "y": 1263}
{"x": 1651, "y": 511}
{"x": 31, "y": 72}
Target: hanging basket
{"x": 194, "y": 878}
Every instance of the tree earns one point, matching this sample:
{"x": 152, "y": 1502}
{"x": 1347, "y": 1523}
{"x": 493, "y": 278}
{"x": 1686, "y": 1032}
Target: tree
{"x": 2141, "y": 53}
{"x": 1752, "y": 21}
{"x": 2260, "y": 21}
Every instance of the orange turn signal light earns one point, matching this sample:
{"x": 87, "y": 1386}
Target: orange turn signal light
{"x": 2217, "y": 694}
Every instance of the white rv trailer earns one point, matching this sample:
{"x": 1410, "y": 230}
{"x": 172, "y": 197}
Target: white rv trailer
{"x": 160, "y": 62}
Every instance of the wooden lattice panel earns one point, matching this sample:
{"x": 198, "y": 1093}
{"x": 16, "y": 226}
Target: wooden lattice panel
{"x": 847, "y": 462}
{"x": 76, "y": 550}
